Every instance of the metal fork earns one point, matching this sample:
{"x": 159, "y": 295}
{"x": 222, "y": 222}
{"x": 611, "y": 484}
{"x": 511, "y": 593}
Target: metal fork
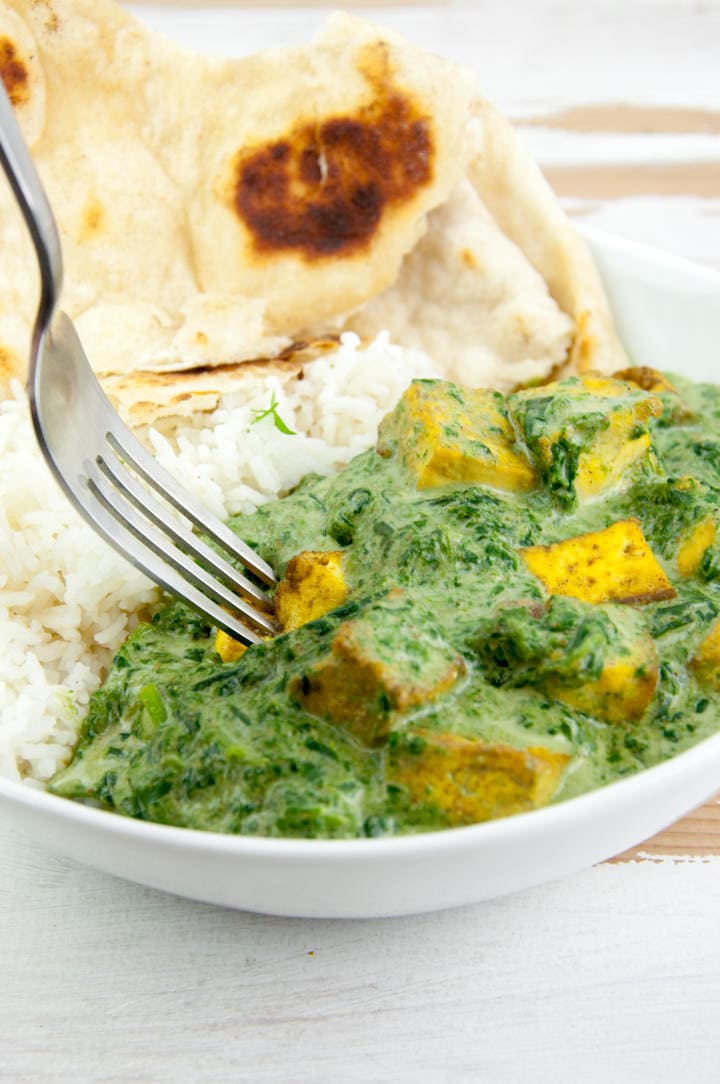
{"x": 119, "y": 488}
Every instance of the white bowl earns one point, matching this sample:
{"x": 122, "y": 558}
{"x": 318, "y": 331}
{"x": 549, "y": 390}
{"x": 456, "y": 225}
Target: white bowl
{"x": 668, "y": 311}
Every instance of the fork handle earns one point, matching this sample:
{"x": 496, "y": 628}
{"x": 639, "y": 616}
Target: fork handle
{"x": 30, "y": 194}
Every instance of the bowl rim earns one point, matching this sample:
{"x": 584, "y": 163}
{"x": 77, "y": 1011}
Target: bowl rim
{"x": 658, "y": 257}
{"x": 587, "y": 807}
{"x": 534, "y": 823}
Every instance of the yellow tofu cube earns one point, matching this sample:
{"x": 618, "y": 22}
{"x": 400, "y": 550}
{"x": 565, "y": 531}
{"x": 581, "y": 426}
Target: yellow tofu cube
{"x": 693, "y": 546}
{"x": 469, "y": 780}
{"x": 444, "y": 433}
{"x": 378, "y": 665}
{"x": 623, "y": 691}
{"x": 612, "y": 565}
{"x": 314, "y": 584}
{"x": 584, "y": 433}
{"x": 706, "y": 662}
{"x": 228, "y": 648}
{"x": 643, "y": 376}
{"x": 600, "y": 659}
{"x": 675, "y": 410}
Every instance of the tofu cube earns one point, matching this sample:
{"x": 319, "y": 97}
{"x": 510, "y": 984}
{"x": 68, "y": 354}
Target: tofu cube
{"x": 692, "y": 548}
{"x": 625, "y": 688}
{"x": 705, "y": 663}
{"x": 444, "y": 433}
{"x": 314, "y": 584}
{"x": 601, "y": 660}
{"x": 643, "y": 376}
{"x": 675, "y": 411}
{"x": 584, "y": 433}
{"x": 378, "y": 665}
{"x": 468, "y": 780}
{"x": 228, "y": 648}
{"x": 615, "y": 564}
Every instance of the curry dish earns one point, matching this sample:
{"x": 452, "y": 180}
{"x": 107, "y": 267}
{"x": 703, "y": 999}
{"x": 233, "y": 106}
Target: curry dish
{"x": 507, "y": 602}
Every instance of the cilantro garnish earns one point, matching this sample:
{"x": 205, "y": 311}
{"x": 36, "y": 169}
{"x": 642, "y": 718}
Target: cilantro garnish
{"x": 272, "y": 412}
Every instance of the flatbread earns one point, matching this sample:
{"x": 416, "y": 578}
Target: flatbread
{"x": 469, "y": 297}
{"x": 516, "y": 194}
{"x": 213, "y": 212}
{"x": 288, "y": 185}
{"x": 144, "y": 398}
{"x": 501, "y": 290}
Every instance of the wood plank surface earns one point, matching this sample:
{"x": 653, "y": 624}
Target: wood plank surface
{"x": 607, "y": 975}
{"x": 627, "y": 117}
{"x": 651, "y": 179}
{"x": 695, "y": 836}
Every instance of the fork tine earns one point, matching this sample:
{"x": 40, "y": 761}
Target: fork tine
{"x": 104, "y": 522}
{"x": 131, "y": 450}
{"x": 61, "y": 365}
{"x": 172, "y": 525}
{"x": 143, "y": 543}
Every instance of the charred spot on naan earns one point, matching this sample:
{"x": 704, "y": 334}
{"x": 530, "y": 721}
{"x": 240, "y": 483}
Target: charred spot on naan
{"x": 22, "y": 72}
{"x": 323, "y": 187}
{"x": 14, "y": 72}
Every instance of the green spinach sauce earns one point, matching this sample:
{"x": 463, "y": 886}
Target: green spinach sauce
{"x": 177, "y": 736}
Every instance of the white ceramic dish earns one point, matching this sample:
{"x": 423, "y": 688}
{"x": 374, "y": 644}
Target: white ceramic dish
{"x": 668, "y": 311}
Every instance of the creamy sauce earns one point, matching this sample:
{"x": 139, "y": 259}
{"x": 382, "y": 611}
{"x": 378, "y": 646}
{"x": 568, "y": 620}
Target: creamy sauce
{"x": 177, "y": 736}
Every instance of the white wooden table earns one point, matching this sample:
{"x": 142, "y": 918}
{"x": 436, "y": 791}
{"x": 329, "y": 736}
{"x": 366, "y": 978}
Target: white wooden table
{"x": 610, "y": 975}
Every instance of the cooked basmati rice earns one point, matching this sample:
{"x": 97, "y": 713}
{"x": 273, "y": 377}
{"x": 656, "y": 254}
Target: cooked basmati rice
{"x": 67, "y": 601}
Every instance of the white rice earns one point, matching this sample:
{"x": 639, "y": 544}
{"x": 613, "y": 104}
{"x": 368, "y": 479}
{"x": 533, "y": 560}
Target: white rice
{"x": 67, "y": 601}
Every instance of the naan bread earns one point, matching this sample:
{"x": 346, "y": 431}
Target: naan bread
{"x": 144, "y": 398}
{"x": 288, "y": 186}
{"x": 501, "y": 290}
{"x": 525, "y": 208}
{"x": 213, "y": 212}
{"x": 468, "y": 296}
